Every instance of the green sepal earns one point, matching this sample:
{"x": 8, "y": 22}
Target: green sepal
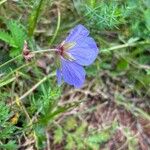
{"x": 58, "y": 62}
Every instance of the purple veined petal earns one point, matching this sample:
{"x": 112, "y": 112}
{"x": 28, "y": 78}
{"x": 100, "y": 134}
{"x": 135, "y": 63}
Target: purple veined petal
{"x": 77, "y": 33}
{"x": 87, "y": 42}
{"x": 73, "y": 74}
{"x": 59, "y": 76}
{"x": 91, "y": 43}
{"x": 85, "y": 52}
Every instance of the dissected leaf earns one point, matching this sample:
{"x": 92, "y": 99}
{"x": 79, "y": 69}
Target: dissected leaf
{"x": 6, "y": 37}
{"x": 17, "y": 32}
{"x": 58, "y": 135}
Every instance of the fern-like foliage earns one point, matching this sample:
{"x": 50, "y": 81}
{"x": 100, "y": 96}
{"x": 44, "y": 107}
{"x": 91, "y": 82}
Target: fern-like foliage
{"x": 6, "y": 127}
{"x": 107, "y": 15}
{"x": 6, "y": 37}
{"x": 17, "y": 32}
{"x": 77, "y": 137}
{"x": 44, "y": 102}
{"x": 46, "y": 99}
{"x": 11, "y": 145}
{"x": 15, "y": 38}
{"x": 104, "y": 15}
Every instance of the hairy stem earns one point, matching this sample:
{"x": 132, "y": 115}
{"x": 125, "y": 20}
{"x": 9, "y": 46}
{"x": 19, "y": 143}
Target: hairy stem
{"x": 34, "y": 52}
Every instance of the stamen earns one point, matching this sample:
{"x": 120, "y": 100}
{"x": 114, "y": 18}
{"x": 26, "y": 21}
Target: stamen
{"x": 68, "y": 46}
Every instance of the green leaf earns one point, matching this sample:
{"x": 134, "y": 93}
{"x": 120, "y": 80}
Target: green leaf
{"x": 14, "y": 52}
{"x": 122, "y": 65}
{"x": 96, "y": 139}
{"x": 81, "y": 129}
{"x": 60, "y": 109}
{"x": 6, "y": 128}
{"x": 103, "y": 15}
{"x": 148, "y": 71}
{"x": 40, "y": 136}
{"x": 4, "y": 36}
{"x": 71, "y": 123}
{"x": 70, "y": 142}
{"x": 99, "y": 137}
{"x": 58, "y": 135}
{"x": 18, "y": 33}
{"x": 16, "y": 37}
{"x": 147, "y": 18}
{"x": 36, "y": 11}
{"x": 11, "y": 145}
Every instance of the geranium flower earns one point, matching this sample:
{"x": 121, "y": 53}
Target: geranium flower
{"x": 78, "y": 50}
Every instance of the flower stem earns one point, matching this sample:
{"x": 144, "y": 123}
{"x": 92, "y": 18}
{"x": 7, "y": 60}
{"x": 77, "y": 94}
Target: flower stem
{"x": 33, "y": 52}
{"x": 44, "y": 51}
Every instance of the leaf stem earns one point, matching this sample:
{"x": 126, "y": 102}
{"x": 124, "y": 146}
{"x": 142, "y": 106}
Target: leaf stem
{"x": 3, "y": 1}
{"x": 57, "y": 27}
{"x": 19, "y": 68}
{"x": 125, "y": 45}
{"x": 35, "y": 86}
{"x": 9, "y": 61}
{"x": 33, "y": 19}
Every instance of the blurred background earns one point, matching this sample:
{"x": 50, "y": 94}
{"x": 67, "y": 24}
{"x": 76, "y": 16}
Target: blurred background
{"x": 110, "y": 112}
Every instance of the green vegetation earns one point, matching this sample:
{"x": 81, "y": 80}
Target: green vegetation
{"x": 111, "y": 111}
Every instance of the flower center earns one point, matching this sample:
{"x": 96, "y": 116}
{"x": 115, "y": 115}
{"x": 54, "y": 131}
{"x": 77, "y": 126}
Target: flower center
{"x": 63, "y": 50}
{"x": 64, "y": 47}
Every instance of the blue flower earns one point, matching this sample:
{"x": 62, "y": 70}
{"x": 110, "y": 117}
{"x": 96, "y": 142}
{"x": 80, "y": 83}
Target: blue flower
{"x": 78, "y": 50}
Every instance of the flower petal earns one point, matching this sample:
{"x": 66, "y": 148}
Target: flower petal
{"x": 59, "y": 76}
{"x": 77, "y": 33}
{"x": 85, "y": 51}
{"x": 73, "y": 74}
